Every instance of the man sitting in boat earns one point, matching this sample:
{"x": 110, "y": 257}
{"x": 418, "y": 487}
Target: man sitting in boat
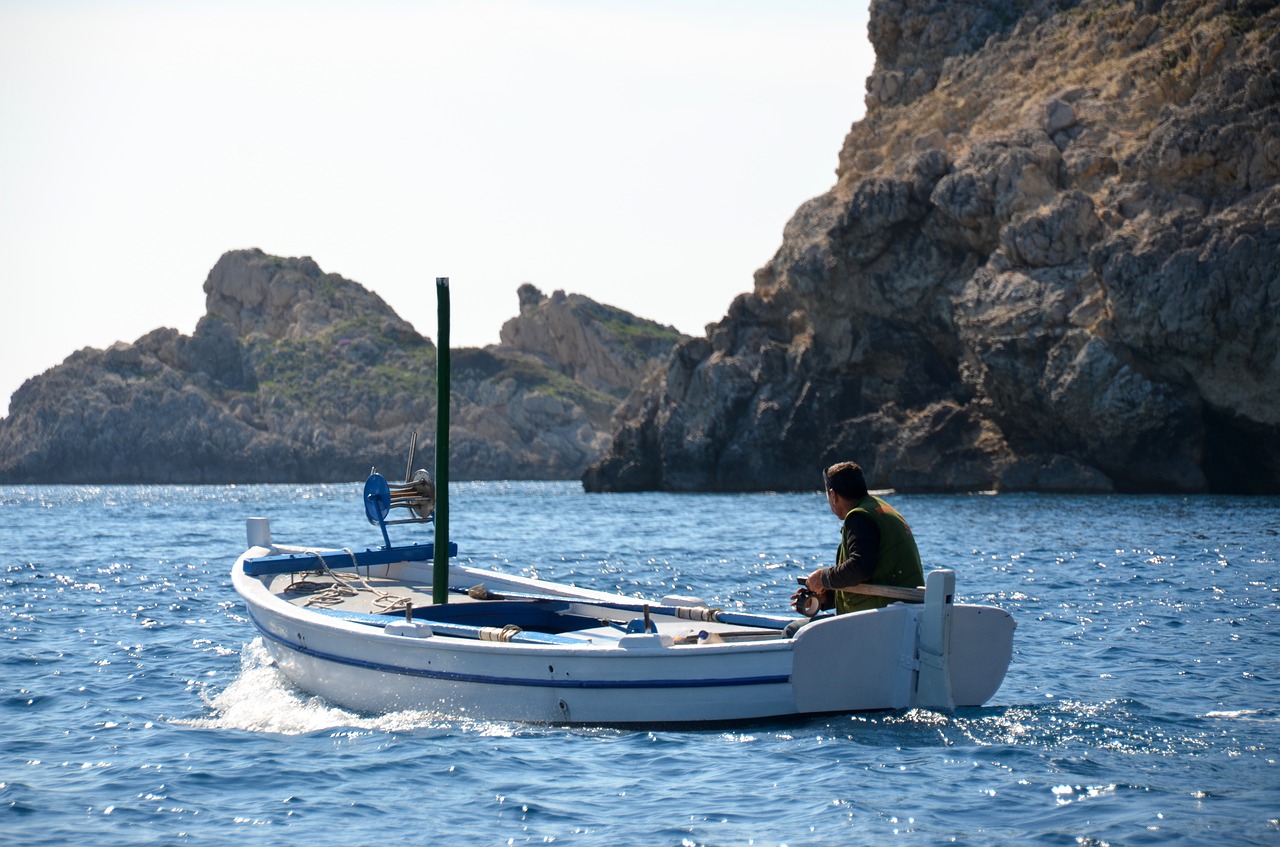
{"x": 876, "y": 546}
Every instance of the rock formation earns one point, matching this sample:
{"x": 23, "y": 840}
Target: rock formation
{"x": 1049, "y": 262}
{"x": 605, "y": 348}
{"x": 296, "y": 375}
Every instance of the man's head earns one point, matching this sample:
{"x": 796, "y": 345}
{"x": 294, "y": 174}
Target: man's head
{"x": 846, "y": 480}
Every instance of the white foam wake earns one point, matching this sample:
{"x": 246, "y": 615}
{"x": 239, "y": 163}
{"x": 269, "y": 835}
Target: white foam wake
{"x": 262, "y": 699}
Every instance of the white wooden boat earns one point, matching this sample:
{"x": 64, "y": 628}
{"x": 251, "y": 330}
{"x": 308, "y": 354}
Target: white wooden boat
{"x": 362, "y": 629}
{"x": 406, "y": 627}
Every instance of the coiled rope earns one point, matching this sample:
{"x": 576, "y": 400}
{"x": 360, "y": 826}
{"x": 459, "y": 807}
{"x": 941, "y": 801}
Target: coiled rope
{"x": 493, "y": 633}
{"x": 341, "y": 588}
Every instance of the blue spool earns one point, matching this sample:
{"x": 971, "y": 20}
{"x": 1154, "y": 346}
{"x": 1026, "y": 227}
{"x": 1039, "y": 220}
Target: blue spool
{"x": 377, "y": 503}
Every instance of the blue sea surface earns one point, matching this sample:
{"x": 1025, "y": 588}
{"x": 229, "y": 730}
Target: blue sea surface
{"x": 137, "y": 704}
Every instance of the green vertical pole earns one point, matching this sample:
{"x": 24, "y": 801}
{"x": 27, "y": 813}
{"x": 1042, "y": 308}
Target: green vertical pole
{"x": 440, "y": 562}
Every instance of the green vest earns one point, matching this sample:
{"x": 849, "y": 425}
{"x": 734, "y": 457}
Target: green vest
{"x": 897, "y": 560}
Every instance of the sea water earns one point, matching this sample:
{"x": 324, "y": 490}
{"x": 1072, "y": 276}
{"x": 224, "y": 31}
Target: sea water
{"x": 1142, "y": 706}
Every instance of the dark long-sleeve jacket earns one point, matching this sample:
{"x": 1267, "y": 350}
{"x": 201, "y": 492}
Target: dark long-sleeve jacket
{"x": 856, "y": 558}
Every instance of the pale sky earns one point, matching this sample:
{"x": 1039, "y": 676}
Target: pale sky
{"x": 645, "y": 154}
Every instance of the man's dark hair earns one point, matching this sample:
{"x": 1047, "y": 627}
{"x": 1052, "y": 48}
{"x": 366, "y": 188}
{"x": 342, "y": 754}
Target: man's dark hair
{"x": 847, "y": 480}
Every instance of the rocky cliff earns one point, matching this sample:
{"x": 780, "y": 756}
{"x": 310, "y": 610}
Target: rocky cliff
{"x": 1049, "y": 261}
{"x": 603, "y": 347}
{"x": 297, "y": 375}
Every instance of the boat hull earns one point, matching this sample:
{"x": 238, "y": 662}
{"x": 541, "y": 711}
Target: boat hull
{"x": 862, "y": 661}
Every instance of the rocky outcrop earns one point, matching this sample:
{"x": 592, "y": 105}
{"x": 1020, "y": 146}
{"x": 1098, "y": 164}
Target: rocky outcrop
{"x": 603, "y": 347}
{"x": 297, "y": 375}
{"x": 1049, "y": 262}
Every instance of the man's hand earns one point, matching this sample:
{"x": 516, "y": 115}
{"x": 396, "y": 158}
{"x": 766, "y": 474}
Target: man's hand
{"x": 806, "y": 600}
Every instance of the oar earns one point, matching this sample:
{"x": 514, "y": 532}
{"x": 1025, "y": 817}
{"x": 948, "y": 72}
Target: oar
{"x": 459, "y": 630}
{"x": 893, "y": 592}
{"x": 693, "y": 613}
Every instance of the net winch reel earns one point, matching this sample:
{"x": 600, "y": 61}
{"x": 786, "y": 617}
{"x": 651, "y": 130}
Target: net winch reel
{"x": 416, "y": 495}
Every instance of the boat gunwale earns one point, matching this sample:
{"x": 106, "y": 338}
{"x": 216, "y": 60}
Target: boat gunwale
{"x": 271, "y": 603}
{"x": 631, "y": 683}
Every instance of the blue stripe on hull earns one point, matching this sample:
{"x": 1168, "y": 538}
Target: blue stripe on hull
{"x": 453, "y": 676}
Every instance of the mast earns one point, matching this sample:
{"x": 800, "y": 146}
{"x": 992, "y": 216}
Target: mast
{"x": 440, "y": 562}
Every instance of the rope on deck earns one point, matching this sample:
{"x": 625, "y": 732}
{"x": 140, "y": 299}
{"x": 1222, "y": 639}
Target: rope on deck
{"x": 342, "y": 589}
{"x": 493, "y": 633}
